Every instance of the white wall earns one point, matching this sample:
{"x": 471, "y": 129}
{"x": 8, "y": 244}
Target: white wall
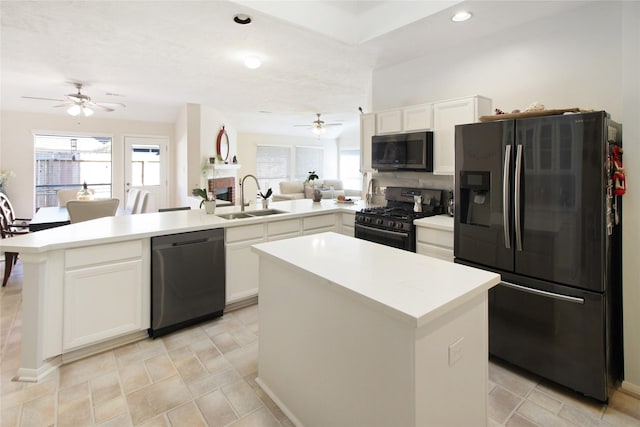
{"x": 17, "y": 150}
{"x": 588, "y": 59}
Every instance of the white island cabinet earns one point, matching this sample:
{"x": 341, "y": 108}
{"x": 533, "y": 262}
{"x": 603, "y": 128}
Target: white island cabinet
{"x": 346, "y": 340}
{"x": 434, "y": 236}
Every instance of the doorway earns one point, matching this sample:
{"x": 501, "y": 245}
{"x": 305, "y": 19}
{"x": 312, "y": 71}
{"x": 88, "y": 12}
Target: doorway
{"x": 145, "y": 168}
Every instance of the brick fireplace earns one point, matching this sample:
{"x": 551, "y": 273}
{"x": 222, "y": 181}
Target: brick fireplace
{"x": 223, "y": 188}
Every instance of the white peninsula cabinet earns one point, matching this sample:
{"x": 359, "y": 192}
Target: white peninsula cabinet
{"x": 434, "y": 237}
{"x": 106, "y": 292}
{"x": 446, "y": 115}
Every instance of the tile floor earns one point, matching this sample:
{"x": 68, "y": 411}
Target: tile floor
{"x": 205, "y": 376}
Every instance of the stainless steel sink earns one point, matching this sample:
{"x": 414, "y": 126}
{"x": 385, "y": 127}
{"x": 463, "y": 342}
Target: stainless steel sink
{"x": 250, "y": 214}
{"x": 265, "y": 212}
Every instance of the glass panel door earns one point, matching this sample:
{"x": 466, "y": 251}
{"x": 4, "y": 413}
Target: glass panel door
{"x": 145, "y": 169}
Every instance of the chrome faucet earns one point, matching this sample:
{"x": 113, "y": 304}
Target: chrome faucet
{"x": 242, "y": 189}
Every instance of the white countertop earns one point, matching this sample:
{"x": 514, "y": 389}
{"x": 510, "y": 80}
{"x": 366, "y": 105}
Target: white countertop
{"x": 440, "y": 222}
{"x": 128, "y": 227}
{"x": 411, "y": 286}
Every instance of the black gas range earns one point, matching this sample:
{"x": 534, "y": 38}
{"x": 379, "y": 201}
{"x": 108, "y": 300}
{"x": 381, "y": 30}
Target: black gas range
{"x": 392, "y": 225}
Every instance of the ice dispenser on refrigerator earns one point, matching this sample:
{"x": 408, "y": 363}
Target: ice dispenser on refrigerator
{"x": 475, "y": 198}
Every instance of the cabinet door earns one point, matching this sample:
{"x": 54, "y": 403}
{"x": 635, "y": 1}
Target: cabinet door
{"x": 367, "y": 131}
{"x": 320, "y": 224}
{"x": 417, "y": 117}
{"x": 389, "y": 122}
{"x": 446, "y": 115}
{"x": 101, "y": 302}
{"x": 348, "y": 220}
{"x": 242, "y": 271}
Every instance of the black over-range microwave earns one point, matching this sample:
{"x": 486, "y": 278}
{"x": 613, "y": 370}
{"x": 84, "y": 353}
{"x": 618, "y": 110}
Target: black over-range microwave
{"x": 404, "y": 151}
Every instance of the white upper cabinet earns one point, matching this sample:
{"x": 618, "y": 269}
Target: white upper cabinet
{"x": 446, "y": 115}
{"x": 417, "y": 117}
{"x": 389, "y": 121}
{"x": 367, "y": 131}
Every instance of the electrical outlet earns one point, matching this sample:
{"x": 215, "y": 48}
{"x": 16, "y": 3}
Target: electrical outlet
{"x": 455, "y": 351}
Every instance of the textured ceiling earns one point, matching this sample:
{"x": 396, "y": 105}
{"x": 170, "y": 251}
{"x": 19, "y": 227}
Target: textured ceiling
{"x": 156, "y": 56}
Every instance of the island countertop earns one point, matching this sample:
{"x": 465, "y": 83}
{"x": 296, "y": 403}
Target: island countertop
{"x": 405, "y": 284}
{"x": 128, "y": 227}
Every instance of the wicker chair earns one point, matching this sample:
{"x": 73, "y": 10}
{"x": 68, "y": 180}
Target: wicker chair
{"x": 10, "y": 226}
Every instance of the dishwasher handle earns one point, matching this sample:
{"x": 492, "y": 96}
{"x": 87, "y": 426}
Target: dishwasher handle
{"x": 189, "y": 242}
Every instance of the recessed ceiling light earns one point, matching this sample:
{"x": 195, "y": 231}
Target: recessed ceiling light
{"x": 252, "y": 62}
{"x": 242, "y": 19}
{"x": 461, "y": 16}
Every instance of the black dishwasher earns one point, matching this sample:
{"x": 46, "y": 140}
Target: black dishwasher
{"x": 187, "y": 279}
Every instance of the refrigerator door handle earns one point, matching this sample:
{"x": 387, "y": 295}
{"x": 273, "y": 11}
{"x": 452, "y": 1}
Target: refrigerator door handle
{"x": 561, "y": 297}
{"x": 516, "y": 198}
{"x": 506, "y": 184}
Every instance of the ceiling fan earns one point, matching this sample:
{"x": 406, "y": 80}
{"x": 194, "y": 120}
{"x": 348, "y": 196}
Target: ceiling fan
{"x": 318, "y": 126}
{"x": 81, "y": 104}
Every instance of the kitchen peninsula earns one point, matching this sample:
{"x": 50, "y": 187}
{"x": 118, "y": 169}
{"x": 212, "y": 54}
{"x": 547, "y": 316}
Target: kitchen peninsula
{"x": 357, "y": 333}
{"x": 86, "y": 286}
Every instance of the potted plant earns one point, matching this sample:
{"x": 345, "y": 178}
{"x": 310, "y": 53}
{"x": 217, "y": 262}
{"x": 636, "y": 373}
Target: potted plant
{"x": 265, "y": 198}
{"x": 208, "y": 199}
{"x": 317, "y": 195}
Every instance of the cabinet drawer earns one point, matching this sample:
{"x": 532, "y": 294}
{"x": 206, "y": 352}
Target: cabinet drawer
{"x": 435, "y": 237}
{"x": 102, "y": 254}
{"x": 283, "y": 227}
{"x": 434, "y": 251}
{"x": 246, "y": 232}
{"x": 348, "y": 219}
{"x": 320, "y": 221}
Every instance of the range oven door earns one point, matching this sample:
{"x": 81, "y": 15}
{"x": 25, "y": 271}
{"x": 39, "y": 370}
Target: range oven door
{"x": 397, "y": 239}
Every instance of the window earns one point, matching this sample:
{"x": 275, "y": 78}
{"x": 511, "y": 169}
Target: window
{"x": 272, "y": 166}
{"x": 69, "y": 161}
{"x": 309, "y": 159}
{"x": 350, "y": 169}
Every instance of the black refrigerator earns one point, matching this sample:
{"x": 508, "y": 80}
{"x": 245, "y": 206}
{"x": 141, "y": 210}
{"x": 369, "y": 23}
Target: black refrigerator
{"x": 534, "y": 202}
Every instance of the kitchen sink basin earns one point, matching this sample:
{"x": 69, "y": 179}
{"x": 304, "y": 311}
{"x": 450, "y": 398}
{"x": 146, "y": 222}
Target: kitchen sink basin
{"x": 265, "y": 212}
{"x": 250, "y": 214}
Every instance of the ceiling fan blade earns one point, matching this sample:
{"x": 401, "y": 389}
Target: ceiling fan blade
{"x": 102, "y": 107}
{"x": 110, "y": 104}
{"x": 43, "y": 99}
{"x": 66, "y": 104}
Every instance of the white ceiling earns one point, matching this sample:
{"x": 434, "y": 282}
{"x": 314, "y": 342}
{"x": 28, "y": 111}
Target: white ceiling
{"x": 156, "y": 56}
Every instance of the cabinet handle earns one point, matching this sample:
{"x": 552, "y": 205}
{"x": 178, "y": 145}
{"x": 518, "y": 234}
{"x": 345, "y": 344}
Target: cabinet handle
{"x": 506, "y": 184}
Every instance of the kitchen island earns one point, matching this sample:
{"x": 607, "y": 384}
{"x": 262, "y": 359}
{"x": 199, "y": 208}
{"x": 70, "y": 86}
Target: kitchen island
{"x": 86, "y": 286}
{"x": 357, "y": 333}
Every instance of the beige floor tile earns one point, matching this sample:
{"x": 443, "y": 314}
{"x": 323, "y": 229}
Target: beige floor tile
{"x": 244, "y": 359}
{"x": 569, "y": 397}
{"x": 243, "y": 335}
{"x": 191, "y": 369}
{"x": 139, "y": 351}
{"x": 39, "y": 412}
{"x": 158, "y": 421}
{"x": 266, "y": 400}
{"x": 580, "y": 418}
{"x": 519, "y": 421}
{"x": 259, "y": 418}
{"x": 541, "y": 416}
{"x": 9, "y": 417}
{"x": 105, "y": 387}
{"x": 186, "y": 415}
{"x": 216, "y": 409}
{"x": 225, "y": 342}
{"x": 156, "y": 398}
{"x": 221, "y": 325}
{"x": 217, "y": 365}
{"x": 242, "y": 397}
{"x": 520, "y": 384}
{"x": 86, "y": 369}
{"x": 184, "y": 337}
{"x": 105, "y": 411}
{"x": 134, "y": 376}
{"x": 211, "y": 382}
{"x": 75, "y": 413}
{"x": 30, "y": 392}
{"x": 76, "y": 392}
{"x": 619, "y": 419}
{"x": 501, "y": 403}
{"x": 122, "y": 420}
{"x": 160, "y": 367}
{"x": 544, "y": 400}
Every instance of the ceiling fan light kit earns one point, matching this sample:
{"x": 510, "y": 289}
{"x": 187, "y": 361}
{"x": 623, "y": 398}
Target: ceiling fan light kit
{"x": 80, "y": 104}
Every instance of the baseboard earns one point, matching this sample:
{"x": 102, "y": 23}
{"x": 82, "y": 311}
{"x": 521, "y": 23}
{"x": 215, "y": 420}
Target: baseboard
{"x": 37, "y": 375}
{"x": 296, "y": 422}
{"x": 631, "y": 389}
{"x": 111, "y": 344}
{"x": 241, "y": 303}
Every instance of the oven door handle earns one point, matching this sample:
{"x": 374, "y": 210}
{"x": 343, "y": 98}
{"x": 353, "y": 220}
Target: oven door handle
{"x": 388, "y": 233}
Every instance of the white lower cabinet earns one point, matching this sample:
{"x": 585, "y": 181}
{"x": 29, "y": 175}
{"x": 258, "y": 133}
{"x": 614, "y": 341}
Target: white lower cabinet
{"x": 348, "y": 223}
{"x": 106, "y": 292}
{"x": 319, "y": 224}
{"x": 283, "y": 229}
{"x": 241, "y": 261}
{"x": 434, "y": 242}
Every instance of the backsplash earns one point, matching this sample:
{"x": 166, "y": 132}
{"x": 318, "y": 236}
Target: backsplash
{"x": 382, "y": 180}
